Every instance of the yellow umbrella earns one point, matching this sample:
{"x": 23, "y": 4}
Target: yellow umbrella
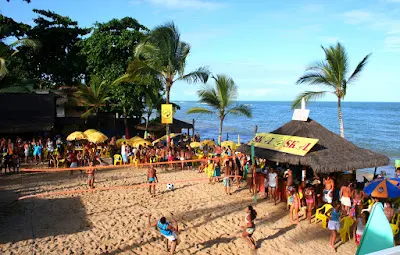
{"x": 90, "y": 131}
{"x": 77, "y": 135}
{"x": 136, "y": 138}
{"x": 195, "y": 144}
{"x": 142, "y": 142}
{"x": 229, "y": 143}
{"x": 208, "y": 142}
{"x": 97, "y": 137}
{"x": 121, "y": 141}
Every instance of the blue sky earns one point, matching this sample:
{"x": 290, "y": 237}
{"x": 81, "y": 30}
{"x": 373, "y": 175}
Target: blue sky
{"x": 263, "y": 45}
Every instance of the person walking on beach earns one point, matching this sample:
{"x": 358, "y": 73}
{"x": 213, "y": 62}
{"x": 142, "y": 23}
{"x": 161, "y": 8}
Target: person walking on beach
{"x": 328, "y": 190}
{"x": 227, "y": 179}
{"x": 90, "y": 172}
{"x": 152, "y": 179}
{"x": 167, "y": 230}
{"x": 249, "y": 227}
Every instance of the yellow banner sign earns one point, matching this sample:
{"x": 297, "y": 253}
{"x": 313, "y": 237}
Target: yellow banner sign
{"x": 284, "y": 143}
{"x": 166, "y": 114}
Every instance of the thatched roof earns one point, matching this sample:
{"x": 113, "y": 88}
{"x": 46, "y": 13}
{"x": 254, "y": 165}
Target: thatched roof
{"x": 332, "y": 153}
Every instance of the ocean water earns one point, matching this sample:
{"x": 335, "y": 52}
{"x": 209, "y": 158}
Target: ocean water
{"x": 374, "y": 126}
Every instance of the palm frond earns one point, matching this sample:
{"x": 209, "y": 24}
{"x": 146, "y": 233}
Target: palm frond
{"x": 308, "y": 96}
{"x": 199, "y": 110}
{"x": 209, "y": 96}
{"x": 241, "y": 110}
{"x": 200, "y": 75}
{"x": 25, "y": 42}
{"x": 226, "y": 90}
{"x": 313, "y": 78}
{"x": 3, "y": 68}
{"x": 359, "y": 68}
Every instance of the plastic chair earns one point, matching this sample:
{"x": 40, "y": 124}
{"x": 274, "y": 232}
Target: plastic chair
{"x": 59, "y": 161}
{"x": 396, "y": 219}
{"x": 344, "y": 231}
{"x": 395, "y": 229}
{"x": 320, "y": 214}
{"x": 133, "y": 160}
{"x": 117, "y": 159}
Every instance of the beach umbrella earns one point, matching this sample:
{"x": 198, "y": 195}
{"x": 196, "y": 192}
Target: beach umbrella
{"x": 97, "y": 137}
{"x": 77, "y": 135}
{"x": 383, "y": 188}
{"x": 90, "y": 131}
{"x": 229, "y": 143}
{"x": 121, "y": 141}
{"x": 140, "y": 142}
{"x": 208, "y": 142}
{"x": 195, "y": 144}
{"x": 136, "y": 138}
{"x": 172, "y": 135}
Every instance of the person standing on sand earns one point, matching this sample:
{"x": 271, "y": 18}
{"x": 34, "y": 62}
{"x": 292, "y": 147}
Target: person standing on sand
{"x": 328, "y": 190}
{"x": 249, "y": 227}
{"x": 334, "y": 223}
{"x": 310, "y": 200}
{"x": 152, "y": 179}
{"x": 273, "y": 184}
{"x": 90, "y": 172}
{"x": 345, "y": 195}
{"x": 227, "y": 179}
{"x": 358, "y": 199}
{"x": 167, "y": 230}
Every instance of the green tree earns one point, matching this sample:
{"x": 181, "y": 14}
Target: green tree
{"x": 92, "y": 97}
{"x": 162, "y": 56}
{"x": 332, "y": 74}
{"x": 108, "y": 51}
{"x": 222, "y": 100}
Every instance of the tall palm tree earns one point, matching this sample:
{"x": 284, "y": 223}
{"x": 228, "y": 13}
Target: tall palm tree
{"x": 92, "y": 97}
{"x": 331, "y": 73}
{"x": 222, "y": 100}
{"x": 162, "y": 55}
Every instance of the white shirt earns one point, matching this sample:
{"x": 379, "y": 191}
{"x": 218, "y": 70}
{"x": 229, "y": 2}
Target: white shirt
{"x": 272, "y": 179}
{"x": 123, "y": 149}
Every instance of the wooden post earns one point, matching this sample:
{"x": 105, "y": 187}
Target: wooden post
{"x": 375, "y": 173}
{"x": 193, "y": 129}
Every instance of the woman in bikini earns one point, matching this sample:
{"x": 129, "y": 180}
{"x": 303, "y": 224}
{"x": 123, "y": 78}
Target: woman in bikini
{"x": 249, "y": 227}
{"x": 310, "y": 200}
{"x": 295, "y": 205}
{"x": 90, "y": 173}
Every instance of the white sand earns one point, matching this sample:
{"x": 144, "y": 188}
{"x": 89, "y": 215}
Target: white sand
{"x": 113, "y": 222}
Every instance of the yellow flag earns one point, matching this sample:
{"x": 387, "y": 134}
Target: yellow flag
{"x": 166, "y": 114}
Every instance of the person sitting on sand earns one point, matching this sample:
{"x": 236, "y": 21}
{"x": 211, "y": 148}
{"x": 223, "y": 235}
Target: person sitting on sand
{"x": 90, "y": 172}
{"x": 249, "y": 227}
{"x": 227, "y": 179}
{"x": 167, "y": 230}
{"x": 310, "y": 200}
{"x": 334, "y": 223}
{"x": 359, "y": 226}
{"x": 152, "y": 179}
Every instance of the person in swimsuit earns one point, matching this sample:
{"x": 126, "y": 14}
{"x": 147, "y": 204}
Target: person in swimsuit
{"x": 345, "y": 197}
{"x": 358, "y": 199}
{"x": 90, "y": 172}
{"x": 310, "y": 200}
{"x": 272, "y": 184}
{"x": 152, "y": 179}
{"x": 167, "y": 230}
{"x": 359, "y": 226}
{"x": 295, "y": 206}
{"x": 249, "y": 227}
{"x": 389, "y": 211}
{"x": 26, "y": 151}
{"x": 334, "y": 223}
{"x": 328, "y": 190}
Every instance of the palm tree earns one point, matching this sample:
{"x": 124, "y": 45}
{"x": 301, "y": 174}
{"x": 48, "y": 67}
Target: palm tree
{"x": 162, "y": 56}
{"x": 332, "y": 74}
{"x": 222, "y": 99}
{"x": 92, "y": 97}
{"x": 5, "y": 53}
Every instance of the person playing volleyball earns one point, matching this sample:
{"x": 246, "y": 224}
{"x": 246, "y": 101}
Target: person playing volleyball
{"x": 167, "y": 230}
{"x": 152, "y": 179}
{"x": 249, "y": 227}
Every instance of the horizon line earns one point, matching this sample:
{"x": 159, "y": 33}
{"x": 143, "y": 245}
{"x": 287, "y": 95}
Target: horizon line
{"x": 292, "y": 101}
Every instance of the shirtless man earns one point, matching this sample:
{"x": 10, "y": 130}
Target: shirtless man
{"x": 328, "y": 190}
{"x": 188, "y": 156}
{"x": 345, "y": 195}
{"x": 152, "y": 179}
{"x": 289, "y": 176}
{"x": 227, "y": 179}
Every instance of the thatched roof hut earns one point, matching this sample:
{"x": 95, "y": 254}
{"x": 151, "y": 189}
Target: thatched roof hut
{"x": 332, "y": 153}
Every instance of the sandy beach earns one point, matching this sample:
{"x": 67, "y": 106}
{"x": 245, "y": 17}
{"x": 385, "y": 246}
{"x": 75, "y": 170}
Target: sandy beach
{"x": 114, "y": 222}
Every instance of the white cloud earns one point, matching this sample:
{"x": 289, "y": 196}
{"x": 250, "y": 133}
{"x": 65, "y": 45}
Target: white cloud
{"x": 255, "y": 93}
{"x": 182, "y": 4}
{"x": 330, "y": 39}
{"x": 189, "y": 92}
{"x": 392, "y": 43}
{"x": 357, "y": 16}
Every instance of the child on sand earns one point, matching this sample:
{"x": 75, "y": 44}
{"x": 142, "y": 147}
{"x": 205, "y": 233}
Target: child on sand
{"x": 90, "y": 173}
{"x": 249, "y": 227}
{"x": 167, "y": 230}
{"x": 359, "y": 226}
{"x": 334, "y": 223}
